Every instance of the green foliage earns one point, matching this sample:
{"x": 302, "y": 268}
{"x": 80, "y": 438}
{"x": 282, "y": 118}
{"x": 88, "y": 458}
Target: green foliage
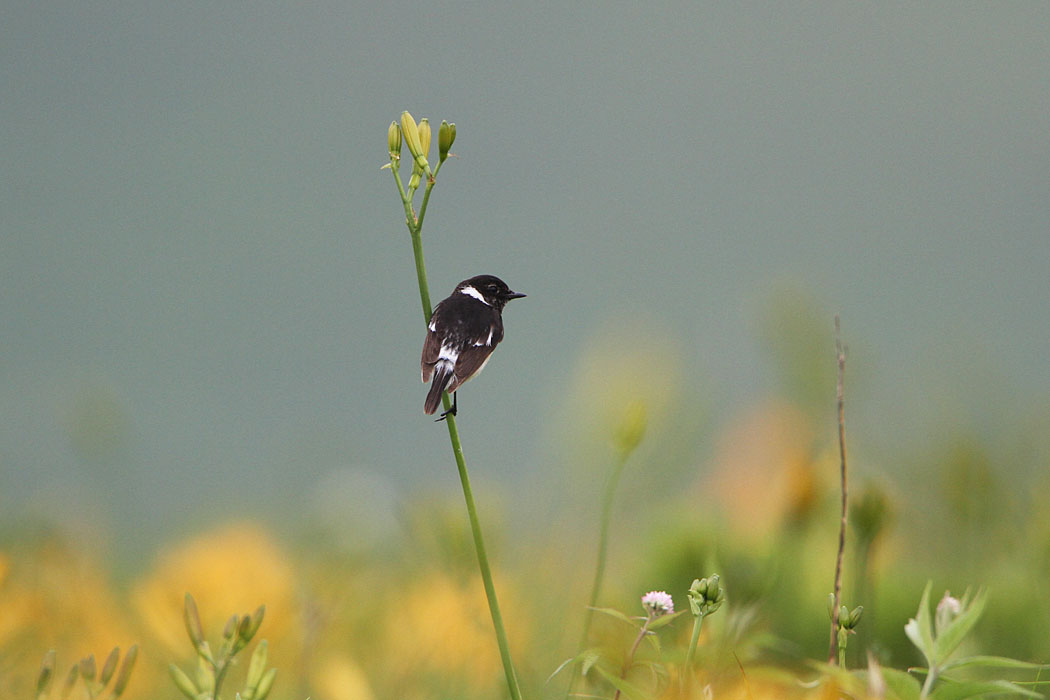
{"x": 212, "y": 667}
{"x": 94, "y": 682}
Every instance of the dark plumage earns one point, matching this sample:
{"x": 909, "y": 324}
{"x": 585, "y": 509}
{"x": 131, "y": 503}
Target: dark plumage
{"x": 464, "y": 330}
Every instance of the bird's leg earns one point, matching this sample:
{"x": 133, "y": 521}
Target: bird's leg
{"x": 451, "y": 410}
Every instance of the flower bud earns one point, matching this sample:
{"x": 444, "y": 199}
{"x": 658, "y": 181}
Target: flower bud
{"x": 948, "y": 609}
{"x": 124, "y": 675}
{"x": 47, "y": 673}
{"x": 854, "y": 616}
{"x": 192, "y": 619}
{"x": 265, "y": 685}
{"x": 87, "y": 667}
{"x": 393, "y": 139}
{"x": 424, "y": 137}
{"x": 257, "y": 665}
{"x": 632, "y": 427}
{"x": 183, "y": 682}
{"x": 446, "y": 135}
{"x": 230, "y": 628}
{"x": 71, "y": 679}
{"x": 110, "y": 666}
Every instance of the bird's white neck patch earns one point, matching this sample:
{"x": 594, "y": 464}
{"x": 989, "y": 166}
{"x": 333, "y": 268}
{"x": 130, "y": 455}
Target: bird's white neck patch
{"x": 471, "y": 292}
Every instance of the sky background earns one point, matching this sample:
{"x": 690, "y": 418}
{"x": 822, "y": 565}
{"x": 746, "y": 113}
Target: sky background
{"x": 207, "y": 292}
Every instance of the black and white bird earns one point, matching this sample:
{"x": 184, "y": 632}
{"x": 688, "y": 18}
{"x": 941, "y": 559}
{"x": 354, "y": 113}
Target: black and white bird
{"x": 464, "y": 330}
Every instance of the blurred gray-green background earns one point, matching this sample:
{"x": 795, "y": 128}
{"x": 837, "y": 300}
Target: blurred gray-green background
{"x": 208, "y": 304}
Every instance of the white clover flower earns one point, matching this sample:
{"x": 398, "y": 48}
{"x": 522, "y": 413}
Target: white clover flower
{"x": 658, "y": 603}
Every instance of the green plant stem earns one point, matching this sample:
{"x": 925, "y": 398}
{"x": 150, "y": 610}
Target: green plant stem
{"x": 687, "y": 670}
{"x": 599, "y": 568}
{"x": 927, "y": 686}
{"x": 415, "y": 223}
{"x": 629, "y": 661}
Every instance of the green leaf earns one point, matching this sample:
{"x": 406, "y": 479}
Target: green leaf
{"x": 664, "y": 620}
{"x": 992, "y": 662}
{"x": 561, "y": 667}
{"x": 589, "y": 659}
{"x": 612, "y": 612}
{"x": 920, "y": 628}
{"x": 654, "y": 640}
{"x": 628, "y": 690}
{"x": 959, "y": 690}
{"x": 952, "y": 636}
{"x": 903, "y": 685}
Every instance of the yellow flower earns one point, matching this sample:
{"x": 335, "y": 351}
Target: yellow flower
{"x": 442, "y": 629}
{"x": 339, "y": 678}
{"x": 229, "y": 571}
{"x": 765, "y": 469}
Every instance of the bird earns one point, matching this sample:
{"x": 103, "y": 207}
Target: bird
{"x": 463, "y": 331}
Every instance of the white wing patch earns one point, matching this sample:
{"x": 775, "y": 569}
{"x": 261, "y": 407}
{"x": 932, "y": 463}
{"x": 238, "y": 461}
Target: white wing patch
{"x": 488, "y": 341}
{"x": 471, "y": 292}
{"x": 433, "y": 327}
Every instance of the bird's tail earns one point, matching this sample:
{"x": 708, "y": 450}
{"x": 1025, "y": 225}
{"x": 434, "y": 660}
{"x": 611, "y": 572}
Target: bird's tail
{"x": 443, "y": 375}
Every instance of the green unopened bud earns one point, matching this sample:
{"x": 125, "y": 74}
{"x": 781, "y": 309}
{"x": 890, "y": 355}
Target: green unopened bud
{"x": 411, "y": 135}
{"x": 87, "y": 667}
{"x": 205, "y": 673}
{"x": 854, "y": 616}
{"x": 393, "y": 140}
{"x": 257, "y": 619}
{"x": 446, "y": 135}
{"x": 110, "y": 666}
{"x": 183, "y": 682}
{"x": 257, "y": 666}
{"x": 424, "y": 137}
{"x": 71, "y": 679}
{"x": 831, "y": 606}
{"x": 231, "y": 627}
{"x": 244, "y": 630}
{"x": 192, "y": 618}
{"x": 265, "y": 685}
{"x": 125, "y": 670}
{"x": 631, "y": 430}
{"x": 47, "y": 673}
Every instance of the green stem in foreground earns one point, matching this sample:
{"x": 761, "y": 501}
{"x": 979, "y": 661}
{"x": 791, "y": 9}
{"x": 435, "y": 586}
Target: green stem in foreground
{"x": 687, "y": 670}
{"x": 599, "y": 569}
{"x": 629, "y": 661}
{"x": 415, "y": 223}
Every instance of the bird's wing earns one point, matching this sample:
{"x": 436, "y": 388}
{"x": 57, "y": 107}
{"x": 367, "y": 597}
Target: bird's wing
{"x": 471, "y": 360}
{"x": 431, "y": 349}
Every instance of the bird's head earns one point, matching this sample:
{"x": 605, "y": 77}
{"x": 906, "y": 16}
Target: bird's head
{"x": 492, "y": 290}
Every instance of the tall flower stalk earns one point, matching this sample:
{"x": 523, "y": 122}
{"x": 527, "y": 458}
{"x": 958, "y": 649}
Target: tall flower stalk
{"x": 417, "y": 137}
{"x": 629, "y": 434}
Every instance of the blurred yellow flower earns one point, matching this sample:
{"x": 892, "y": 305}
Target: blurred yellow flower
{"x": 339, "y": 678}
{"x": 765, "y": 472}
{"x": 441, "y": 628}
{"x": 230, "y": 571}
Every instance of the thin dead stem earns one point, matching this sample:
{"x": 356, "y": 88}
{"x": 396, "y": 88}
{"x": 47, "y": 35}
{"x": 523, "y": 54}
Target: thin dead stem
{"x": 840, "y": 350}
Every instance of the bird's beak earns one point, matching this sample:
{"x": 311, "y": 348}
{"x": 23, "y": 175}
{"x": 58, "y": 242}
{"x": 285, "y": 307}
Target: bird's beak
{"x": 513, "y": 295}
